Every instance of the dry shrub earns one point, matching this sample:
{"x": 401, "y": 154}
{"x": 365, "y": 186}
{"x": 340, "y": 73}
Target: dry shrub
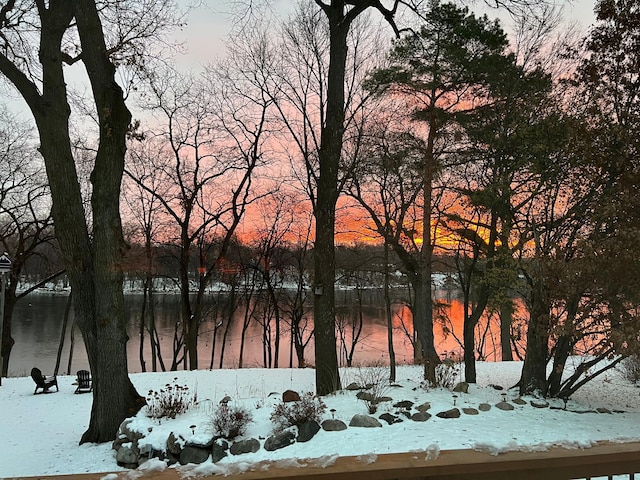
{"x": 170, "y": 401}
{"x": 630, "y": 368}
{"x": 230, "y": 421}
{"x": 309, "y": 407}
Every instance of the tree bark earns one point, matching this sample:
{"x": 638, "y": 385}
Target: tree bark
{"x": 534, "y": 370}
{"x": 115, "y": 397}
{"x": 327, "y": 375}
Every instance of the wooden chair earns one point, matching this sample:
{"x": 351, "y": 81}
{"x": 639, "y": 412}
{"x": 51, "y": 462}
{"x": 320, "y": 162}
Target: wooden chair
{"x": 84, "y": 381}
{"x": 45, "y": 383}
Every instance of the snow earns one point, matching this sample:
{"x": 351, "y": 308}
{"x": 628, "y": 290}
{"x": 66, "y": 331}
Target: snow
{"x": 48, "y": 427}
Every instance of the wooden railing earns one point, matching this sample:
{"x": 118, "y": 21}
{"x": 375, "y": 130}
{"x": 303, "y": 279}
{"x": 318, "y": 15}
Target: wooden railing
{"x": 604, "y": 459}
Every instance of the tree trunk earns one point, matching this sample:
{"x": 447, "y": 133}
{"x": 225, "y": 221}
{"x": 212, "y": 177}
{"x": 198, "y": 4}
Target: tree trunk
{"x": 63, "y": 334}
{"x": 7, "y": 339}
{"x": 506, "y": 318}
{"x": 389, "y": 315}
{"x": 92, "y": 261}
{"x": 327, "y": 375}
{"x": 534, "y": 370}
{"x": 563, "y": 349}
{"x": 115, "y": 397}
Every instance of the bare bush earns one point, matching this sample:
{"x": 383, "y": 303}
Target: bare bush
{"x": 309, "y": 407}
{"x": 630, "y": 368}
{"x": 448, "y": 373}
{"x": 374, "y": 379}
{"x": 230, "y": 421}
{"x": 170, "y": 401}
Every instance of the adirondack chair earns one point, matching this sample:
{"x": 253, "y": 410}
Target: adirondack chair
{"x": 45, "y": 383}
{"x": 84, "y": 381}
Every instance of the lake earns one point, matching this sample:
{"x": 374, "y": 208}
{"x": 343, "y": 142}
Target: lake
{"x": 38, "y": 321}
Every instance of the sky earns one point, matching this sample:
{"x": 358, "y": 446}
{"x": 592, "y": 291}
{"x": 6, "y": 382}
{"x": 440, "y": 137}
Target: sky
{"x": 48, "y": 427}
{"x": 208, "y": 25}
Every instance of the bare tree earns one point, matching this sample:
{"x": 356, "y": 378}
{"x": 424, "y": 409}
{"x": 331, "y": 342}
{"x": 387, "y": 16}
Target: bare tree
{"x": 212, "y": 141}
{"x": 37, "y": 41}
{"x": 25, "y": 213}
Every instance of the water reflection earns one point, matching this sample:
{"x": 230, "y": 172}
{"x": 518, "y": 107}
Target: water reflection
{"x": 37, "y": 327}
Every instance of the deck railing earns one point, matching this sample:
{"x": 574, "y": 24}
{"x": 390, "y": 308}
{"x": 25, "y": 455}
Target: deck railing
{"x": 602, "y": 460}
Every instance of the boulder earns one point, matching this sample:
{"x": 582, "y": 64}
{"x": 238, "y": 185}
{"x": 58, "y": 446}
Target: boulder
{"x": 462, "y": 387}
{"x": 307, "y": 431}
{"x": 423, "y": 407}
{"x": 332, "y": 425}
{"x": 405, "y": 404}
{"x": 278, "y": 441}
{"x": 125, "y": 429}
{"x": 389, "y": 418}
{"x": 539, "y": 404}
{"x": 192, "y": 454}
{"x": 504, "y": 406}
{"x": 250, "y": 445}
{"x": 126, "y": 457}
{"x": 174, "y": 444}
{"x": 290, "y": 396}
{"x": 484, "y": 407}
{"x": 365, "y": 421}
{"x": 420, "y": 417}
{"x": 118, "y": 442}
{"x": 452, "y": 413}
{"x": 519, "y": 401}
{"x": 219, "y": 450}
{"x": 470, "y": 411}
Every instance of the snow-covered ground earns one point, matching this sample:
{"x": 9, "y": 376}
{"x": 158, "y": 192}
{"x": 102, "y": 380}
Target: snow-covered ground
{"x": 48, "y": 427}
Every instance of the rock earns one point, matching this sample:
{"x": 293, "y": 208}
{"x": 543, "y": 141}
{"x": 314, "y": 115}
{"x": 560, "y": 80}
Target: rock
{"x": 200, "y": 443}
{"x": 420, "y": 416}
{"x": 219, "y": 450}
{"x": 191, "y": 454}
{"x": 278, "y": 441}
{"x": 307, "y": 431}
{"x": 126, "y": 457}
{"x": 174, "y": 444}
{"x": 470, "y": 411}
{"x": 366, "y": 396}
{"x": 504, "y": 406}
{"x": 538, "y": 404}
{"x": 389, "y": 418}
{"x": 406, "y": 404}
{"x": 125, "y": 429}
{"x": 603, "y": 410}
{"x": 290, "y": 396}
{"x": 496, "y": 387}
{"x": 462, "y": 387}
{"x": 332, "y": 425}
{"x": 365, "y": 421}
{"x": 118, "y": 442}
{"x": 519, "y": 401}
{"x": 452, "y": 413}
{"x": 484, "y": 407}
{"x": 424, "y": 407}
{"x": 353, "y": 386}
{"x": 245, "y": 446}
